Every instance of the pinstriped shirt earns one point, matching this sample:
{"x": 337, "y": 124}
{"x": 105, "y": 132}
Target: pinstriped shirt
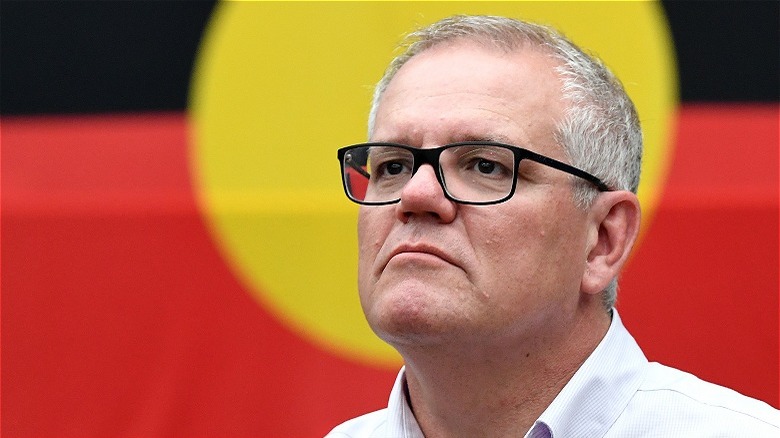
{"x": 615, "y": 393}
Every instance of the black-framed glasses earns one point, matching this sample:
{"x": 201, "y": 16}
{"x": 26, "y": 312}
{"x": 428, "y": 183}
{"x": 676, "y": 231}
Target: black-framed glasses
{"x": 472, "y": 172}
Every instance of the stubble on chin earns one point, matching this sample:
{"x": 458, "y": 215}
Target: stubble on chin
{"x": 416, "y": 306}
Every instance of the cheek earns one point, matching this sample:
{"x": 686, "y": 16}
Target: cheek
{"x": 372, "y": 233}
{"x": 523, "y": 248}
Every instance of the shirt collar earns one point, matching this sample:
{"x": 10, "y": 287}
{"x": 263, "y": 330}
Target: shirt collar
{"x": 400, "y": 418}
{"x": 599, "y": 391}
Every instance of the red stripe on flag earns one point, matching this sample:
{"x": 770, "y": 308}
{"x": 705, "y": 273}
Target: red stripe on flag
{"x": 99, "y": 164}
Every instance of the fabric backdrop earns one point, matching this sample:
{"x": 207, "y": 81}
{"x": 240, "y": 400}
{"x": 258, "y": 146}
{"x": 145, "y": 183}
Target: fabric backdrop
{"x": 123, "y": 313}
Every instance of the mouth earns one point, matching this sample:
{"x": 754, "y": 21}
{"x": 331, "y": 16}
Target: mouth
{"x": 422, "y": 252}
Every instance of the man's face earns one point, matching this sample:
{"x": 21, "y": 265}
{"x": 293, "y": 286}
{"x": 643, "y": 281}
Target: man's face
{"x": 432, "y": 271}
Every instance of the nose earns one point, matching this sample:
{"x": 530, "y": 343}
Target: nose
{"x": 423, "y": 195}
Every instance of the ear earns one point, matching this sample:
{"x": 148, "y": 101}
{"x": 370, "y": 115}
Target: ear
{"x": 614, "y": 221}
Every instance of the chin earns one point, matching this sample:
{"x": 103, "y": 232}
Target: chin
{"x": 404, "y": 314}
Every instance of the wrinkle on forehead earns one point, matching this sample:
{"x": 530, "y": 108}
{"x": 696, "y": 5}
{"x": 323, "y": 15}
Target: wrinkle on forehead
{"x": 467, "y": 92}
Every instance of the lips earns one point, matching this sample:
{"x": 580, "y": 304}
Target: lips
{"x": 420, "y": 248}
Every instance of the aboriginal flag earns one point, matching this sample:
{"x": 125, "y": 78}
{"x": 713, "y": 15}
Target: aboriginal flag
{"x": 127, "y": 309}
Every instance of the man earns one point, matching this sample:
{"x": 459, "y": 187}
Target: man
{"x": 499, "y": 207}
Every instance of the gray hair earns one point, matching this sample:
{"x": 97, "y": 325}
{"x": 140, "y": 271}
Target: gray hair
{"x": 600, "y": 131}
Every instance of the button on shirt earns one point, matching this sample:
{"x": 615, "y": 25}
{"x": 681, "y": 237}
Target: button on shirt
{"x": 615, "y": 393}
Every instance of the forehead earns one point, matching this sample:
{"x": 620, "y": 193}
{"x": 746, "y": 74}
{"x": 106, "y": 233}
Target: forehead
{"x": 467, "y": 91}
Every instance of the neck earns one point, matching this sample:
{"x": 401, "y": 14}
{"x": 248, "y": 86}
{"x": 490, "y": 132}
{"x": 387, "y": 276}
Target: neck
{"x": 496, "y": 390}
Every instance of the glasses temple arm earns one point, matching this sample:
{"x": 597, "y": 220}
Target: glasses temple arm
{"x": 351, "y": 163}
{"x": 572, "y": 171}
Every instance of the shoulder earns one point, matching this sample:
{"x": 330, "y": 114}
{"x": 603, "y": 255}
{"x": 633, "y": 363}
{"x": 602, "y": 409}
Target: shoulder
{"x": 683, "y": 402}
{"x": 365, "y": 426}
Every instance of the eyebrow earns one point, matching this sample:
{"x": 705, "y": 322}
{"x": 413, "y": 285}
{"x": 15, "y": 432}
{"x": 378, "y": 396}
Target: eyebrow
{"x": 496, "y": 138}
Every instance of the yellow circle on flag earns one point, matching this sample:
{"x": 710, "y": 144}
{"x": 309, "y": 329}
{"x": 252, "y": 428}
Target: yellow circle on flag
{"x": 279, "y": 86}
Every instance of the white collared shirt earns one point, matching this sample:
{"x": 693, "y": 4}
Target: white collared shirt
{"x": 615, "y": 393}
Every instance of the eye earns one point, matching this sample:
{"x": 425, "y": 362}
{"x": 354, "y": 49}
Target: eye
{"x": 479, "y": 162}
{"x": 486, "y": 167}
{"x": 390, "y": 162}
{"x": 392, "y": 168}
